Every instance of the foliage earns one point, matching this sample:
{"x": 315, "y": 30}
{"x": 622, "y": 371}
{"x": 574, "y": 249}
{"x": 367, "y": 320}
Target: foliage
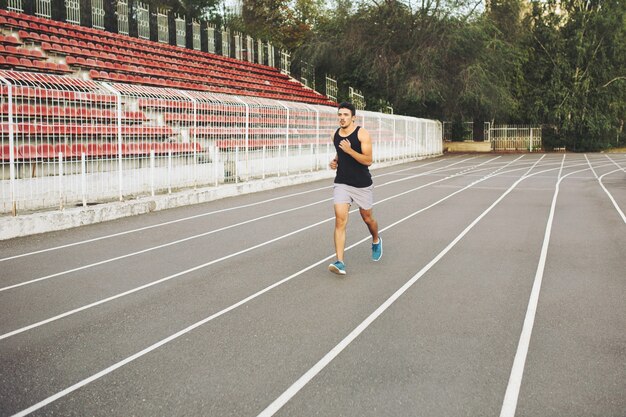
{"x": 575, "y": 77}
{"x": 556, "y": 62}
{"x": 560, "y": 63}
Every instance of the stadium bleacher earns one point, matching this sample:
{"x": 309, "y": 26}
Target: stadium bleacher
{"x": 33, "y": 43}
{"x": 52, "y": 114}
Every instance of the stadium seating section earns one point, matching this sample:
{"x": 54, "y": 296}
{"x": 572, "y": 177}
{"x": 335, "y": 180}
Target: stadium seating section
{"x": 37, "y": 44}
{"x": 42, "y": 117}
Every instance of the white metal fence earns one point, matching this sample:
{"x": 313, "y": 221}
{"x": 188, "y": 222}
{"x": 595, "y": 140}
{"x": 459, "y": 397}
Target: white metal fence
{"x": 515, "y": 138}
{"x": 66, "y": 141}
{"x": 502, "y": 137}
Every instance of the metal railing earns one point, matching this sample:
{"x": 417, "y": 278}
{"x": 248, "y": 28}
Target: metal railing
{"x": 515, "y": 138}
{"x": 66, "y": 141}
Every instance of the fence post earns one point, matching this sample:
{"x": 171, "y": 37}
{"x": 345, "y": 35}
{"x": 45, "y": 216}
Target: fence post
{"x": 61, "y": 191}
{"x": 118, "y": 96}
{"x": 286, "y": 140}
{"x": 247, "y": 140}
{"x": 83, "y": 177}
{"x": 152, "y": 161}
{"x": 11, "y": 148}
{"x": 193, "y": 139}
{"x": 315, "y": 149}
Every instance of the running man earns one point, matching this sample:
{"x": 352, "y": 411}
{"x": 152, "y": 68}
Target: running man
{"x": 353, "y": 183}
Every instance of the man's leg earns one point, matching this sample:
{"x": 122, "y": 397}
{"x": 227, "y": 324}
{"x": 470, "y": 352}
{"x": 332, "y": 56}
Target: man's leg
{"x": 341, "y": 220}
{"x": 371, "y": 223}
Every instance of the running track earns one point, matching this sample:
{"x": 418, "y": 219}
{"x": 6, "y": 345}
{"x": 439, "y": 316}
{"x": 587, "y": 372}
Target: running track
{"x": 501, "y": 292}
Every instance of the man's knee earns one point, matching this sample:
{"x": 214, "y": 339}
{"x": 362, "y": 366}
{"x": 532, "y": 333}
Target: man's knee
{"x": 367, "y": 215}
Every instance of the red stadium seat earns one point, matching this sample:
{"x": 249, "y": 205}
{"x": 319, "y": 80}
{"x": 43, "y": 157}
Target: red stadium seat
{"x": 95, "y": 149}
{"x": 5, "y": 153}
{"x": 110, "y": 149}
{"x": 63, "y": 148}
{"x": 132, "y": 148}
{"x": 78, "y": 149}
{"x": 39, "y": 65}
{"x": 46, "y": 150}
{"x": 27, "y": 151}
{"x": 25, "y": 63}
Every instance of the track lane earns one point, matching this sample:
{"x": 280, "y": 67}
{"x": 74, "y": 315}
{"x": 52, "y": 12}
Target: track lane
{"x": 135, "y": 269}
{"x": 576, "y": 358}
{"x": 159, "y": 378}
{"x": 44, "y": 355}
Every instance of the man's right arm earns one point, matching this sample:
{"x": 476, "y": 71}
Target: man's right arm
{"x": 335, "y": 161}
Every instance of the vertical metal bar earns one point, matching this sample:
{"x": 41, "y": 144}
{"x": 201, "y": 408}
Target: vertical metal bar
{"x": 216, "y": 158}
{"x": 11, "y": 148}
{"x": 83, "y": 174}
{"x": 236, "y": 164}
{"x": 263, "y": 157}
{"x": 193, "y": 139}
{"x": 12, "y": 151}
{"x": 169, "y": 171}
{"x": 247, "y": 137}
{"x": 61, "y": 191}
{"x": 286, "y": 140}
{"x": 152, "y": 161}
{"x": 119, "y": 138}
{"x": 317, "y": 138}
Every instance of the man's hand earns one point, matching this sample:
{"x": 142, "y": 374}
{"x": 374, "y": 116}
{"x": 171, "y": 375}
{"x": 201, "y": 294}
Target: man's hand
{"x": 345, "y": 146}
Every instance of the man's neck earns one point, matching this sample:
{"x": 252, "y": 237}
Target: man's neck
{"x": 347, "y": 130}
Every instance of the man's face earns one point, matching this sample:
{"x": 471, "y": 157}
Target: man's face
{"x": 345, "y": 117}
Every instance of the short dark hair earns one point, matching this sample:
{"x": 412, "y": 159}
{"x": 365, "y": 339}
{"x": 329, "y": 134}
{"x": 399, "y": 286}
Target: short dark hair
{"x": 347, "y": 105}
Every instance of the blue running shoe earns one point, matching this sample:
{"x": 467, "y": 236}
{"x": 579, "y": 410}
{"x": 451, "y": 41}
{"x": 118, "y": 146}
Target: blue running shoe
{"x": 338, "y": 268}
{"x": 377, "y": 250}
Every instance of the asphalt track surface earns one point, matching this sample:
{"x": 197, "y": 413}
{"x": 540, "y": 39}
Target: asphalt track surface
{"x": 501, "y": 292}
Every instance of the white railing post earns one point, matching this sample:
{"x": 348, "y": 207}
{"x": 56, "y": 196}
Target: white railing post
{"x": 119, "y": 138}
{"x": 286, "y": 140}
{"x": 247, "y": 139}
{"x": 152, "y": 161}
{"x": 216, "y": 158}
{"x": 169, "y": 171}
{"x": 263, "y": 158}
{"x": 236, "y": 164}
{"x": 315, "y": 148}
{"x": 83, "y": 177}
{"x": 12, "y": 195}
{"x": 61, "y": 191}
{"x": 193, "y": 139}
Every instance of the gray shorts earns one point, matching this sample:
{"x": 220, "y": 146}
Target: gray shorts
{"x": 363, "y": 197}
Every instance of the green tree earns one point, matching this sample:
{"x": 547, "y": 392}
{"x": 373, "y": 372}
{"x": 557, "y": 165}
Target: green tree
{"x": 576, "y": 77}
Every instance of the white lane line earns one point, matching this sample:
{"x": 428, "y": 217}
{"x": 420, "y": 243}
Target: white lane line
{"x": 186, "y": 330}
{"x": 143, "y": 287}
{"x": 615, "y": 163}
{"x": 128, "y": 255}
{"x": 511, "y": 395}
{"x": 617, "y": 207}
{"x": 290, "y": 392}
{"x": 175, "y": 242}
{"x": 515, "y": 379}
{"x": 140, "y": 229}
{"x": 170, "y": 277}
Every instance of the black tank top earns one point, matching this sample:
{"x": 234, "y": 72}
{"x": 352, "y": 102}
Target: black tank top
{"x": 349, "y": 170}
